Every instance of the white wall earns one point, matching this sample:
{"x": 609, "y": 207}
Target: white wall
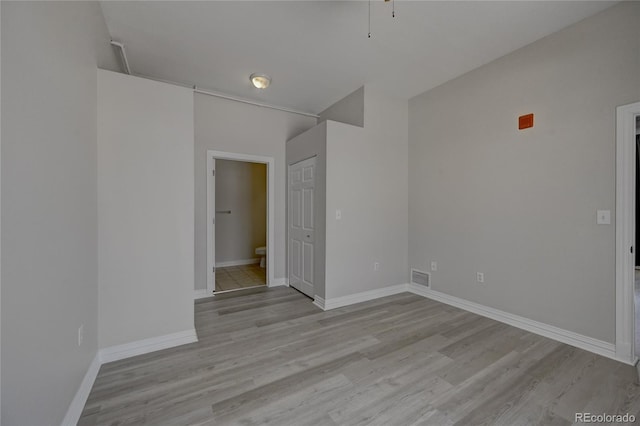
{"x": 228, "y": 126}
{"x": 49, "y": 203}
{"x": 367, "y": 176}
{"x": 145, "y": 208}
{"x": 520, "y": 206}
{"x": 241, "y": 187}
{"x": 313, "y": 143}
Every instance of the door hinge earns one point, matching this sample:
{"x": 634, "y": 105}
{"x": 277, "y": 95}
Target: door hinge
{"x": 213, "y": 172}
{"x": 213, "y": 269}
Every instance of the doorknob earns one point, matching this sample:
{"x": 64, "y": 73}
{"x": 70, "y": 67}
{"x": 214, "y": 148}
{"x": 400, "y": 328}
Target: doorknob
{"x": 308, "y": 236}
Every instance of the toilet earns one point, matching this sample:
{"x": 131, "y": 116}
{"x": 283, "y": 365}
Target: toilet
{"x": 262, "y": 252}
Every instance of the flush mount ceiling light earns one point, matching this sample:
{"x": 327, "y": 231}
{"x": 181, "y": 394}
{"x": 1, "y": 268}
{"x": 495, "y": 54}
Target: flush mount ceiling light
{"x": 260, "y": 81}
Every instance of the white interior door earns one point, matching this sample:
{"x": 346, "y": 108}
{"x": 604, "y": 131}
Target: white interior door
{"x": 301, "y": 225}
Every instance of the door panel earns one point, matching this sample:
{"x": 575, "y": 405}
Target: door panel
{"x": 296, "y": 208}
{"x": 301, "y": 225}
{"x": 308, "y": 173}
{"x": 307, "y": 197}
{"x": 296, "y": 256}
{"x": 307, "y": 255}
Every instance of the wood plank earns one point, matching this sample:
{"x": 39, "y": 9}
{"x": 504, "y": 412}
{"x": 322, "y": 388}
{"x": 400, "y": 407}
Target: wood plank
{"x": 268, "y": 356}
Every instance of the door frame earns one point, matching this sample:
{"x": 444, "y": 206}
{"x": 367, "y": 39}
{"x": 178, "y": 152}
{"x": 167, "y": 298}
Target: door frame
{"x": 270, "y": 163}
{"x": 625, "y": 230}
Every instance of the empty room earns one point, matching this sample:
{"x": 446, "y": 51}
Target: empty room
{"x": 319, "y": 212}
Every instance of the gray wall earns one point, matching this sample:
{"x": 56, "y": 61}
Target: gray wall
{"x": 520, "y": 206}
{"x": 49, "y": 203}
{"x": 145, "y": 209}
{"x": 312, "y": 143}
{"x": 229, "y": 126}
{"x": 349, "y": 110}
{"x": 367, "y": 172}
{"x": 363, "y": 172}
{"x": 242, "y": 188}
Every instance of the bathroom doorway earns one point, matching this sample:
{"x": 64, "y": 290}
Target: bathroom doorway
{"x": 627, "y": 321}
{"x": 636, "y": 286}
{"x": 239, "y": 195}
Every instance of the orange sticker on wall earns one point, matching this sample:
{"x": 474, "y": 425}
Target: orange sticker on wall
{"x": 525, "y": 121}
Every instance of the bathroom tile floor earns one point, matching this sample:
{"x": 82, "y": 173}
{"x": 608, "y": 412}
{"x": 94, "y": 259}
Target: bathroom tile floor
{"x": 237, "y": 277}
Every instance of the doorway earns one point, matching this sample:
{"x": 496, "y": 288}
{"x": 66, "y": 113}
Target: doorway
{"x": 636, "y": 285}
{"x": 240, "y": 221}
{"x": 626, "y": 134}
{"x": 301, "y": 226}
{"x": 240, "y": 225}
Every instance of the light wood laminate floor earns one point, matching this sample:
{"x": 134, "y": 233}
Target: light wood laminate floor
{"x": 268, "y": 356}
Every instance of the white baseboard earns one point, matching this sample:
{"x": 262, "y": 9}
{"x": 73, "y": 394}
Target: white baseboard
{"x": 276, "y": 282}
{"x": 115, "y": 353}
{"x": 581, "y": 341}
{"x": 237, "y": 262}
{"x": 80, "y": 399}
{"x": 201, "y": 293}
{"x": 590, "y": 344}
{"x": 625, "y": 348}
{"x": 319, "y": 302}
{"x": 140, "y": 347}
{"x": 338, "y": 302}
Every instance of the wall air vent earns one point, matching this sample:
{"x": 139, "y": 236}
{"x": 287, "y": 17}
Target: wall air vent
{"x": 421, "y": 278}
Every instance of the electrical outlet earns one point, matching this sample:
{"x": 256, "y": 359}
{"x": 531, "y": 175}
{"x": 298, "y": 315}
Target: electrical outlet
{"x": 376, "y": 266}
{"x": 480, "y": 277}
{"x": 80, "y": 334}
{"x": 434, "y": 266}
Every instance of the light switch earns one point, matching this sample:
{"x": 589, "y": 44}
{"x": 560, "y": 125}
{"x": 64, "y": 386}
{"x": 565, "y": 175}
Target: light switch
{"x": 338, "y": 214}
{"x": 604, "y": 217}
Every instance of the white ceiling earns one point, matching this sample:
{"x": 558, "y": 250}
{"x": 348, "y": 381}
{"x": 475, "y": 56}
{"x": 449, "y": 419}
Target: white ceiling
{"x": 316, "y": 52}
